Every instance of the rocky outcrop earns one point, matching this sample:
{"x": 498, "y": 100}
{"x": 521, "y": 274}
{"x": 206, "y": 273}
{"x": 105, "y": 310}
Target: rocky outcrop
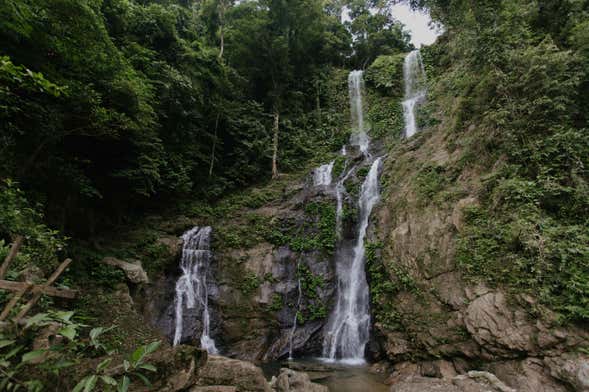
{"x": 292, "y": 381}
{"x": 433, "y": 311}
{"x": 221, "y": 371}
{"x": 471, "y": 382}
{"x": 132, "y": 269}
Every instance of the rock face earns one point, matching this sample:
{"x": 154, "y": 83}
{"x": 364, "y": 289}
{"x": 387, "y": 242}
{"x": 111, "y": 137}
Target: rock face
{"x": 440, "y": 314}
{"x": 132, "y": 269}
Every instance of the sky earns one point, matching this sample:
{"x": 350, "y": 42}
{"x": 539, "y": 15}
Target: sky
{"x": 417, "y": 23}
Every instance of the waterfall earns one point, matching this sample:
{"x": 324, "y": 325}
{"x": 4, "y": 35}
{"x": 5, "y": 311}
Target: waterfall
{"x": 415, "y": 89}
{"x": 294, "y": 323}
{"x": 348, "y": 328}
{"x": 191, "y": 287}
{"x": 359, "y": 132}
{"x": 322, "y": 175}
{"x": 349, "y": 324}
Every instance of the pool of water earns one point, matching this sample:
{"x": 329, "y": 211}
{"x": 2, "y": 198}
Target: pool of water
{"x": 337, "y": 377}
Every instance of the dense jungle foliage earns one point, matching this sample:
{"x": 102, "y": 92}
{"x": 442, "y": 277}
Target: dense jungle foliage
{"x": 110, "y": 106}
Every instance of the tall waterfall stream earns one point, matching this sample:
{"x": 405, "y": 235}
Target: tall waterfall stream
{"x": 191, "y": 287}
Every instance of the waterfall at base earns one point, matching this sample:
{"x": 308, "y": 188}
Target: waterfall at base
{"x": 348, "y": 329}
{"x": 191, "y": 287}
{"x": 415, "y": 90}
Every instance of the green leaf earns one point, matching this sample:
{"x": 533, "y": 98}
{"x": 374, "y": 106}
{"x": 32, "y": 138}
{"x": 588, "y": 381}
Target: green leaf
{"x": 151, "y": 347}
{"x": 36, "y": 319}
{"x": 108, "y": 380}
{"x": 69, "y": 331}
{"x": 80, "y": 385}
{"x": 4, "y": 343}
{"x": 126, "y": 365}
{"x": 148, "y": 366}
{"x": 124, "y": 384}
{"x": 63, "y": 316}
{"x": 102, "y": 365}
{"x": 32, "y": 355}
{"x": 91, "y": 383}
{"x": 142, "y": 378}
{"x": 138, "y": 355}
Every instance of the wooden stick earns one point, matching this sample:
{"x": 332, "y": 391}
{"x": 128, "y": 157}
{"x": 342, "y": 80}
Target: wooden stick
{"x": 52, "y": 291}
{"x": 18, "y": 295}
{"x": 13, "y": 251}
{"x": 37, "y": 295}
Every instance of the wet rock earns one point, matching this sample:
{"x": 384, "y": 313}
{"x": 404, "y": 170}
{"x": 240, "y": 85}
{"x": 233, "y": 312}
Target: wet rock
{"x": 222, "y": 371}
{"x": 132, "y": 269}
{"x": 292, "y": 381}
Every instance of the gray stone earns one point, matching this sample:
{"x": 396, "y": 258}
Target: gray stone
{"x": 132, "y": 269}
{"x": 292, "y": 381}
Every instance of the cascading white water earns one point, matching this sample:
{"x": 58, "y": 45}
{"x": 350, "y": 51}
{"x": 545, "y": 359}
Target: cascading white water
{"x": 415, "y": 89}
{"x": 359, "y": 132}
{"x": 191, "y": 287}
{"x": 349, "y": 324}
{"x": 322, "y": 175}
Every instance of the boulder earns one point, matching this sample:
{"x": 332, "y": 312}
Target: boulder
{"x": 291, "y": 381}
{"x": 132, "y": 269}
{"x": 222, "y": 371}
{"x": 529, "y": 375}
{"x": 172, "y": 245}
{"x": 473, "y": 381}
{"x": 424, "y": 384}
{"x": 497, "y": 327}
{"x": 477, "y": 381}
{"x": 571, "y": 368}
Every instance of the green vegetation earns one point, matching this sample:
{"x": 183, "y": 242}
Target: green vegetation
{"x": 386, "y": 279}
{"x": 34, "y": 370}
{"x": 511, "y": 81}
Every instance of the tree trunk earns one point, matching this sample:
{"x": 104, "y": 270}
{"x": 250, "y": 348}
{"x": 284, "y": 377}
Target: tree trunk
{"x": 275, "y": 147}
{"x": 212, "y": 163}
{"x": 222, "y": 27}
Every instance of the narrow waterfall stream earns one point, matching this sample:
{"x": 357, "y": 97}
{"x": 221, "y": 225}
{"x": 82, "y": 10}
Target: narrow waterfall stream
{"x": 359, "y": 132}
{"x": 191, "y": 287}
{"x": 415, "y": 90}
{"x": 295, "y": 321}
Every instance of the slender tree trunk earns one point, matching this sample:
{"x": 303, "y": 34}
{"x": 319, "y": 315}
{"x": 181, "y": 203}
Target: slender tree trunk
{"x": 318, "y": 103}
{"x": 214, "y": 146}
{"x": 222, "y": 27}
{"x": 275, "y": 146}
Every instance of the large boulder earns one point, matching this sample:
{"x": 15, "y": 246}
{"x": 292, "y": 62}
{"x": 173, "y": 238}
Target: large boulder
{"x": 291, "y": 381}
{"x": 132, "y": 269}
{"x": 222, "y": 371}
